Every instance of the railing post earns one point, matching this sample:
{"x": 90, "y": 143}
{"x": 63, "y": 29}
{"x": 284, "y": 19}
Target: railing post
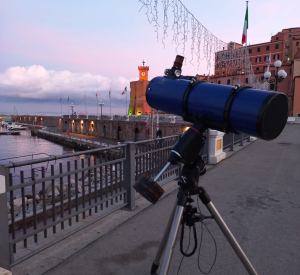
{"x": 4, "y": 236}
{"x": 231, "y": 141}
{"x": 242, "y": 139}
{"x": 129, "y": 175}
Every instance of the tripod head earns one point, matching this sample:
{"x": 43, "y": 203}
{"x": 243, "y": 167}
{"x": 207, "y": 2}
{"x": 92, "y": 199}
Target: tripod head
{"x": 188, "y": 151}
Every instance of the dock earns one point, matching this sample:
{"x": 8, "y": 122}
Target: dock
{"x": 10, "y": 133}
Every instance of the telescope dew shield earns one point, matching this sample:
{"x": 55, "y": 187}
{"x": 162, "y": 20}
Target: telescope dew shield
{"x": 258, "y": 113}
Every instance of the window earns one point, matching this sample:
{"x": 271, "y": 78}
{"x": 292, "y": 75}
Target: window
{"x": 217, "y": 73}
{"x": 250, "y": 50}
{"x": 267, "y": 48}
{"x": 257, "y": 68}
{"x": 277, "y": 46}
{"x": 246, "y": 80}
{"x": 228, "y": 81}
{"x": 258, "y": 49}
{"x": 272, "y": 86}
{"x": 266, "y": 58}
{"x": 219, "y": 82}
{"x": 275, "y": 56}
{"x": 212, "y": 82}
{"x": 218, "y": 66}
{"x": 223, "y": 65}
{"x": 297, "y": 43}
{"x": 223, "y": 72}
{"x": 277, "y": 38}
{"x": 250, "y": 60}
{"x": 258, "y": 59}
{"x": 262, "y": 78}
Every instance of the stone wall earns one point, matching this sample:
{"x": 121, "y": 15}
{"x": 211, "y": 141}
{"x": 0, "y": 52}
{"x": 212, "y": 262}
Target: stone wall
{"x": 49, "y": 121}
{"x": 119, "y": 130}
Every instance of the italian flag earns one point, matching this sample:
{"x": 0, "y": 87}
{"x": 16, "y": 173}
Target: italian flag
{"x": 245, "y": 27}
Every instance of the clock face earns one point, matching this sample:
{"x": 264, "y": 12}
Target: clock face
{"x": 143, "y": 73}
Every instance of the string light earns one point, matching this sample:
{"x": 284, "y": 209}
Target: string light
{"x": 204, "y": 45}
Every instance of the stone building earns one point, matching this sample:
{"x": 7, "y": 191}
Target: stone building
{"x": 283, "y": 46}
{"x": 138, "y": 104}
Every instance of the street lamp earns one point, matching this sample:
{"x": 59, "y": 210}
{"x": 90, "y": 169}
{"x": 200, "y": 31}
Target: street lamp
{"x": 101, "y": 104}
{"x": 72, "y": 107}
{"x": 279, "y": 76}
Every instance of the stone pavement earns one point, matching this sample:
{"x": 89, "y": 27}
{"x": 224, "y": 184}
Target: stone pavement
{"x": 257, "y": 192}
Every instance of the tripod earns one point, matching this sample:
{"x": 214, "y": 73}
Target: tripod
{"x": 187, "y": 151}
{"x": 187, "y": 189}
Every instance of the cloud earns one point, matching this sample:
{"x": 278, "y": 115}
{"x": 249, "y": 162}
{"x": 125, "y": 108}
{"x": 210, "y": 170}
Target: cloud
{"x": 36, "y": 82}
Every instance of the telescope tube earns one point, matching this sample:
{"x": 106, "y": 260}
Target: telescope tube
{"x": 258, "y": 113}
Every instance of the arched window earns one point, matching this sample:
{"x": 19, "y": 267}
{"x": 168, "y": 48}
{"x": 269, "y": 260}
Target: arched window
{"x": 119, "y": 133}
{"x": 104, "y": 131}
{"x": 136, "y": 134}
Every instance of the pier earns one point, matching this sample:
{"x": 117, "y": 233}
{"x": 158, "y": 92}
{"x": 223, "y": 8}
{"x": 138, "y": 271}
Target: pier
{"x": 14, "y": 133}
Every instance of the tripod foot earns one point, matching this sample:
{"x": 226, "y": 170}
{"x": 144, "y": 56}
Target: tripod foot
{"x": 154, "y": 268}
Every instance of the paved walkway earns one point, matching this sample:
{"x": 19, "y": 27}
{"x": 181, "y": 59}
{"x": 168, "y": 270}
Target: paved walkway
{"x": 257, "y": 192}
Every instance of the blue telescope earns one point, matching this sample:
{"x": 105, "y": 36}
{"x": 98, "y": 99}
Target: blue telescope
{"x": 261, "y": 114}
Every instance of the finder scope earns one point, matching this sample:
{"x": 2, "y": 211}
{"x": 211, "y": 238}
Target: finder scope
{"x": 239, "y": 109}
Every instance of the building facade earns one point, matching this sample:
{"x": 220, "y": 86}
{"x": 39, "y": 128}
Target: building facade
{"x": 284, "y": 46}
{"x": 138, "y": 104}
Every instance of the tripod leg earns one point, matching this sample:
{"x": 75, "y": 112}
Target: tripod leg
{"x": 173, "y": 233}
{"x": 163, "y": 242}
{"x": 227, "y": 233}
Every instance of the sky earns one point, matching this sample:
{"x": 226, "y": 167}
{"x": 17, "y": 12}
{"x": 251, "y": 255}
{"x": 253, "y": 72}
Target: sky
{"x": 59, "y": 49}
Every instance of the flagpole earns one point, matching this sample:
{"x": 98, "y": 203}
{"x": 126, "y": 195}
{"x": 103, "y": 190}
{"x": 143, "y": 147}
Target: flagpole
{"x": 85, "y": 103}
{"x": 61, "y": 107}
{"x": 110, "y": 100}
{"x": 126, "y": 103}
{"x": 246, "y": 42}
{"x": 97, "y": 105}
{"x": 68, "y": 107}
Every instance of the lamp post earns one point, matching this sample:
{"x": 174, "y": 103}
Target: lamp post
{"x": 279, "y": 76}
{"x": 101, "y": 104}
{"x": 72, "y": 107}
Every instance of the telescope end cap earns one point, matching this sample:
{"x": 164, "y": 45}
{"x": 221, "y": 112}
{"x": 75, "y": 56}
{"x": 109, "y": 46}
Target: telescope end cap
{"x": 272, "y": 116}
{"x": 149, "y": 189}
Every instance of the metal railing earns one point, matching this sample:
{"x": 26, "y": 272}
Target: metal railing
{"x": 231, "y": 139}
{"x": 43, "y": 201}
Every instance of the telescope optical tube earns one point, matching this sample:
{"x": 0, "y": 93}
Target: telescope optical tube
{"x": 258, "y": 113}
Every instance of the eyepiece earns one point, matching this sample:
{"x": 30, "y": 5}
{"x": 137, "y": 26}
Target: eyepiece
{"x": 178, "y": 62}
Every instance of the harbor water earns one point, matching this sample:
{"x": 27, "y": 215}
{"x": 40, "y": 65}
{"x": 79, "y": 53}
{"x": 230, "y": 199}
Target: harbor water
{"x": 18, "y": 148}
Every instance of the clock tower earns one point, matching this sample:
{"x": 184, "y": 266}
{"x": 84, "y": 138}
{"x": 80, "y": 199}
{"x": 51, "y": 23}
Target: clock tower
{"x": 143, "y": 72}
{"x": 138, "y": 104}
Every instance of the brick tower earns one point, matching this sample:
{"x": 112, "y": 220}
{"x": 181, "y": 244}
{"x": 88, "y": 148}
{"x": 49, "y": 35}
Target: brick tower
{"x": 138, "y": 104}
